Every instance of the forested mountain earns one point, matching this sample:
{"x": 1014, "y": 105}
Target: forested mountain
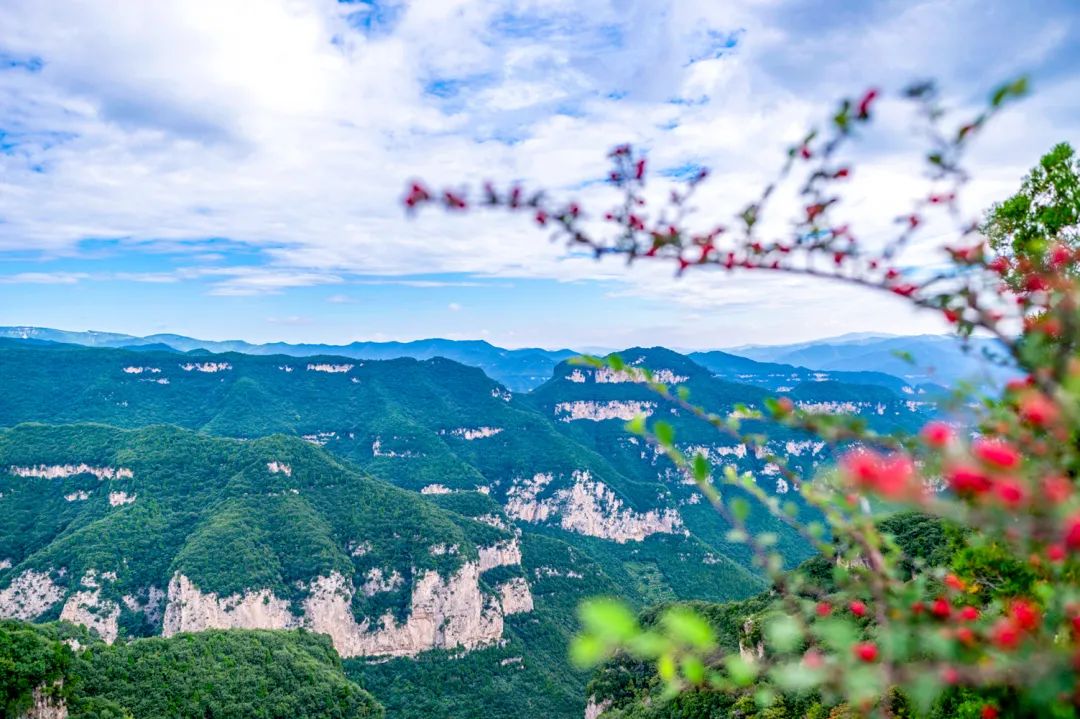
{"x": 416, "y": 511}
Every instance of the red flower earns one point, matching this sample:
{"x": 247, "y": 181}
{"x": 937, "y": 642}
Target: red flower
{"x": 997, "y": 452}
{"x": 989, "y": 711}
{"x": 1055, "y": 553}
{"x": 1057, "y": 489}
{"x": 857, "y": 608}
{"x": 965, "y": 636}
{"x": 941, "y": 608}
{"x": 966, "y": 480}
{"x": 999, "y": 265}
{"x": 865, "y": 651}
{"x": 1037, "y": 409}
{"x": 969, "y": 614}
{"x": 1025, "y": 614}
{"x": 1010, "y": 492}
{"x": 823, "y": 609}
{"x": 1059, "y": 255}
{"x": 1072, "y": 532}
{"x": 1005, "y": 635}
{"x": 891, "y": 476}
{"x": 937, "y": 434}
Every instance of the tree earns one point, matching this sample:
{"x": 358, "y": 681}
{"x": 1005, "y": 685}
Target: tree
{"x": 1043, "y": 215}
{"x": 888, "y": 633}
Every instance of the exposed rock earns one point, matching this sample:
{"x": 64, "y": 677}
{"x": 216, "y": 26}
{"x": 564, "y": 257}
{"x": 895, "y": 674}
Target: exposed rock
{"x": 206, "y": 366}
{"x": 87, "y": 608}
{"x": 544, "y": 572}
{"x": 152, "y": 605}
{"x": 502, "y": 554}
{"x": 190, "y": 610}
{"x": 279, "y": 467}
{"x": 140, "y": 370}
{"x": 492, "y": 520}
{"x": 576, "y": 376}
{"x": 476, "y": 432}
{"x": 515, "y": 596}
{"x": 330, "y": 368}
{"x": 436, "y": 489}
{"x": 47, "y": 704}
{"x": 28, "y": 595}
{"x": 606, "y": 375}
{"x": 588, "y": 507}
{"x": 500, "y": 393}
{"x": 319, "y": 438}
{"x": 62, "y": 471}
{"x": 749, "y": 650}
{"x": 378, "y": 451}
{"x": 5, "y": 564}
{"x": 444, "y": 613}
{"x": 80, "y": 496}
{"x": 117, "y": 499}
{"x": 602, "y": 410}
{"x": 376, "y": 582}
{"x": 593, "y": 709}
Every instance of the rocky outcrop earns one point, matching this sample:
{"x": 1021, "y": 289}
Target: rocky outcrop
{"x": 29, "y": 595}
{"x": 80, "y": 496}
{"x": 587, "y": 507}
{"x": 140, "y": 370}
{"x": 599, "y": 411}
{"x": 377, "y": 581}
{"x": 502, "y": 554}
{"x": 444, "y": 613}
{"x": 118, "y": 499}
{"x": 48, "y": 704}
{"x": 330, "y": 368}
{"x": 208, "y": 367}
{"x": 187, "y": 609}
{"x": 87, "y": 608}
{"x": 148, "y": 603}
{"x": 279, "y": 468}
{"x": 471, "y": 433}
{"x": 436, "y": 489}
{"x": 594, "y": 709}
{"x": 63, "y": 471}
{"x": 515, "y": 596}
{"x": 606, "y": 375}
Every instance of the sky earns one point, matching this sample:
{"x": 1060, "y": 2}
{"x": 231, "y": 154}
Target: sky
{"x": 234, "y": 170}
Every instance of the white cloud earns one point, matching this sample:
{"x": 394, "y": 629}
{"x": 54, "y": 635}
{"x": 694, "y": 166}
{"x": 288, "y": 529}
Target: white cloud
{"x": 282, "y": 127}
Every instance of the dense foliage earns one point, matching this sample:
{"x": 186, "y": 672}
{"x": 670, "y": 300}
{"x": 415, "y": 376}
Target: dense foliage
{"x": 234, "y": 675}
{"x": 881, "y": 632}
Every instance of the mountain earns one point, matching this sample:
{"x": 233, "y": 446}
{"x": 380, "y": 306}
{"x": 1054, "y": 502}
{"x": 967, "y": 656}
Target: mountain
{"x": 518, "y": 369}
{"x": 784, "y": 377}
{"x": 436, "y": 525}
{"x": 934, "y": 359}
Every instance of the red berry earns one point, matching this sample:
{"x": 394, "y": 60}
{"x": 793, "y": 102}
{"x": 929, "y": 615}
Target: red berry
{"x": 1072, "y": 532}
{"x": 969, "y": 614}
{"x": 989, "y": 711}
{"x": 1025, "y": 614}
{"x": 954, "y": 582}
{"x": 857, "y": 608}
{"x": 823, "y": 609}
{"x": 1005, "y": 635}
{"x": 941, "y": 608}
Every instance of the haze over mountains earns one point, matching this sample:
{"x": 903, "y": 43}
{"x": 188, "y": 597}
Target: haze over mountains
{"x": 924, "y": 359}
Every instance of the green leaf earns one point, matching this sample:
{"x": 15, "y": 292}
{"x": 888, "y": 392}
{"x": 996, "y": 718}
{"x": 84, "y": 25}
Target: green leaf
{"x": 689, "y": 627}
{"x": 587, "y": 651}
{"x": 741, "y": 671}
{"x": 636, "y": 425}
{"x": 701, "y": 467}
{"x": 665, "y": 433}
{"x": 608, "y": 619}
{"x": 740, "y": 508}
{"x": 783, "y": 633}
{"x": 665, "y": 667}
{"x": 693, "y": 669}
{"x": 616, "y": 363}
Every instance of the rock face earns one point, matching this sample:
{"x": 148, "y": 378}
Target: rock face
{"x": 594, "y": 709}
{"x": 46, "y": 706}
{"x": 117, "y": 499}
{"x": 330, "y": 368}
{"x": 502, "y": 554}
{"x": 206, "y": 367}
{"x": 29, "y": 594}
{"x": 588, "y": 507}
{"x": 600, "y": 411}
{"x": 444, "y": 613}
{"x": 471, "y": 433}
{"x": 515, "y": 596}
{"x": 62, "y": 471}
{"x": 189, "y": 610}
{"x": 87, "y": 608}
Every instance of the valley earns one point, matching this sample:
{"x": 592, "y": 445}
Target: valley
{"x": 428, "y": 520}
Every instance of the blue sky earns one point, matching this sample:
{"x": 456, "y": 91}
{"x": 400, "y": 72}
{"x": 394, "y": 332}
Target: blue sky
{"x": 210, "y": 169}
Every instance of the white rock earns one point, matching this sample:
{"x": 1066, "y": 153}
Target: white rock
{"x": 63, "y": 471}
{"x": 117, "y": 499}
{"x": 28, "y": 595}
{"x": 600, "y": 411}
{"x": 515, "y": 596}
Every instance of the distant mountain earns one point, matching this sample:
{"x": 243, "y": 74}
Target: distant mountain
{"x": 925, "y": 359}
{"x": 519, "y": 369}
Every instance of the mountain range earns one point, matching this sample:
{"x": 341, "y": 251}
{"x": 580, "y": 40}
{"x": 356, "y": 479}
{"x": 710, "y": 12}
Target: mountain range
{"x": 432, "y": 522}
